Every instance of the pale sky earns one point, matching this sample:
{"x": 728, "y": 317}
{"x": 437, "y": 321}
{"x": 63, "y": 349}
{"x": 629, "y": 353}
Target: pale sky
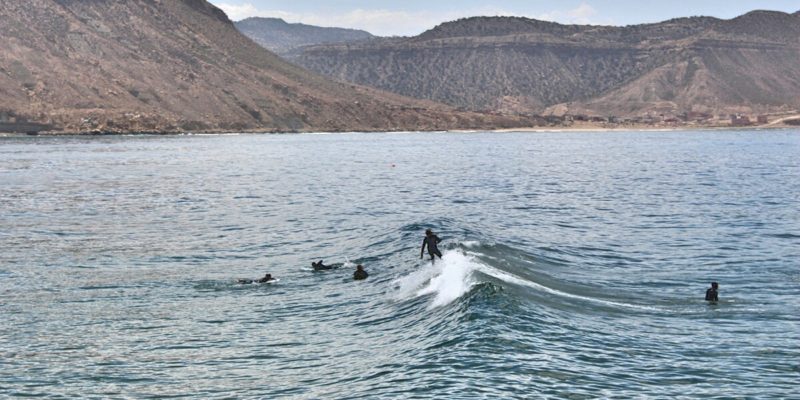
{"x": 411, "y": 17}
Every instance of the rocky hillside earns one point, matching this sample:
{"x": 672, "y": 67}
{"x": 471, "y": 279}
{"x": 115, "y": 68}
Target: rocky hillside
{"x": 280, "y": 37}
{"x": 509, "y": 64}
{"x": 177, "y": 65}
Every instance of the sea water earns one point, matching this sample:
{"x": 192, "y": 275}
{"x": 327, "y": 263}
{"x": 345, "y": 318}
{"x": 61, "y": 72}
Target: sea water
{"x": 575, "y": 266}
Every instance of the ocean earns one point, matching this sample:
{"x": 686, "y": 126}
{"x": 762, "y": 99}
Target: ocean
{"x": 575, "y": 265}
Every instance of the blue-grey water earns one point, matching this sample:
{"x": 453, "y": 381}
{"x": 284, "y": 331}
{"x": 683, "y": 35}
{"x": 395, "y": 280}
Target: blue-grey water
{"x": 575, "y": 266}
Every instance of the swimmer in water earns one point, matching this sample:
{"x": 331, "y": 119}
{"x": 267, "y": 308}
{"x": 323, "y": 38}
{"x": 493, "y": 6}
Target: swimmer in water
{"x": 712, "y": 293}
{"x": 265, "y": 279}
{"x": 319, "y": 266}
{"x": 360, "y": 274}
{"x": 431, "y": 241}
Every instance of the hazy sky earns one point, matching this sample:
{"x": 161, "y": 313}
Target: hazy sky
{"x": 411, "y": 17}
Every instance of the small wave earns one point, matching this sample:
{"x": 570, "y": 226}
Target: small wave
{"x": 448, "y": 279}
{"x": 784, "y": 236}
{"x": 510, "y": 278}
{"x": 454, "y": 275}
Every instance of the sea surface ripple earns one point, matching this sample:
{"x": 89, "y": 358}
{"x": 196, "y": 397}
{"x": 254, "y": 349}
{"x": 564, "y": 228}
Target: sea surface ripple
{"x": 574, "y": 266}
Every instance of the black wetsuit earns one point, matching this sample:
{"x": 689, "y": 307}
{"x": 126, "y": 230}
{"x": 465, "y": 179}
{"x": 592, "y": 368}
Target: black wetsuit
{"x": 712, "y": 294}
{"x": 262, "y": 280}
{"x": 360, "y": 275}
{"x": 321, "y": 267}
{"x": 432, "y": 241}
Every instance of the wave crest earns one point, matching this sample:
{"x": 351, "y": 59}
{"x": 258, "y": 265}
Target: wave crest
{"x": 459, "y": 271}
{"x": 447, "y": 280}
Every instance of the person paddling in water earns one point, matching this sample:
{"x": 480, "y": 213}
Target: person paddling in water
{"x": 265, "y": 279}
{"x": 360, "y": 274}
{"x": 431, "y": 241}
{"x": 319, "y": 266}
{"x": 712, "y": 293}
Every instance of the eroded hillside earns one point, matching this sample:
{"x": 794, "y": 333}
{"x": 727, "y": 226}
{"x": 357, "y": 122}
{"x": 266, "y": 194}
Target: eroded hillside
{"x": 178, "y": 65}
{"x": 512, "y": 64}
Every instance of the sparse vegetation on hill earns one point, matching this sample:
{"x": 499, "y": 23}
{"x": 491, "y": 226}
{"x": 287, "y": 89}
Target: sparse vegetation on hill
{"x": 519, "y": 65}
{"x": 180, "y": 65}
{"x": 280, "y": 37}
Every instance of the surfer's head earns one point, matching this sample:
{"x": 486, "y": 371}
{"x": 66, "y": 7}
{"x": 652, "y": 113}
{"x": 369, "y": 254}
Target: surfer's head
{"x": 359, "y": 267}
{"x": 428, "y": 232}
{"x": 715, "y": 285}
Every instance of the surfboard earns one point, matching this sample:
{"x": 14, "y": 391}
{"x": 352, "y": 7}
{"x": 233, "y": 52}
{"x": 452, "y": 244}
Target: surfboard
{"x": 255, "y": 282}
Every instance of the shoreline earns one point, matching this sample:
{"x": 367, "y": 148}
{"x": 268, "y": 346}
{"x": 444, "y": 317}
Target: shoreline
{"x": 537, "y": 129}
{"x": 652, "y": 129}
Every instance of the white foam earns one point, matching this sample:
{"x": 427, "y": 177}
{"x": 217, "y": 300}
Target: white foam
{"x": 471, "y": 244}
{"x": 447, "y": 280}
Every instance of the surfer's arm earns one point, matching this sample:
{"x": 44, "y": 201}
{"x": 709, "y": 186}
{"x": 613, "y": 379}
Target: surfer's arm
{"x": 422, "y": 250}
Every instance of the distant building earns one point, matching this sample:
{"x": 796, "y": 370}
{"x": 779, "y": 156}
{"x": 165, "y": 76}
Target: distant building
{"x": 740, "y": 120}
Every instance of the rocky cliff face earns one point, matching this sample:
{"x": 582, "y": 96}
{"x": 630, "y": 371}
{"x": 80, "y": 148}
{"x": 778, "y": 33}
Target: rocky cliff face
{"x": 280, "y": 37}
{"x": 178, "y": 65}
{"x": 514, "y": 64}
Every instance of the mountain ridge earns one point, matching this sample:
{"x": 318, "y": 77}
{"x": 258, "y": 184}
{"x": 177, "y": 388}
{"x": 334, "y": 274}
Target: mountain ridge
{"x": 175, "y": 66}
{"x": 519, "y": 65}
{"x": 280, "y": 37}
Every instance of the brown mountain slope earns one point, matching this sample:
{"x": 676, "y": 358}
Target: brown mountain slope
{"x": 280, "y": 37}
{"x": 515, "y": 64}
{"x": 713, "y": 79}
{"x": 174, "y": 65}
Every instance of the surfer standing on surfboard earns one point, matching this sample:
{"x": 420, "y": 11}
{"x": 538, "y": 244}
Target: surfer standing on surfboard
{"x": 431, "y": 241}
